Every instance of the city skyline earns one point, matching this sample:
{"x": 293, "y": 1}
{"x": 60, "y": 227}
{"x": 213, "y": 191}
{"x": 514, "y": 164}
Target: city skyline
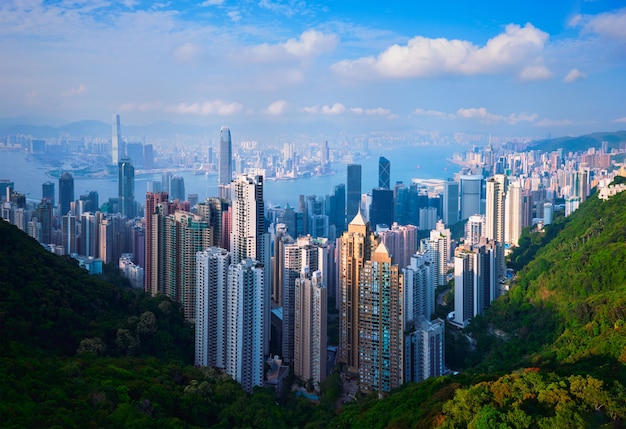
{"x": 277, "y": 67}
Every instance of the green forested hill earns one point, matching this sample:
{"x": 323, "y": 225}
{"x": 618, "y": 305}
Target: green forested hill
{"x": 78, "y": 352}
{"x": 550, "y": 353}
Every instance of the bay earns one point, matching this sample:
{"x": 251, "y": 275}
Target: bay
{"x": 424, "y": 162}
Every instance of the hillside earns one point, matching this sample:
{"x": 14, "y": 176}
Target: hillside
{"x": 551, "y": 353}
{"x": 78, "y": 352}
{"x": 581, "y": 143}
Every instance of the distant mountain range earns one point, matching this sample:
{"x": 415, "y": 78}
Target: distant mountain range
{"x": 581, "y": 143}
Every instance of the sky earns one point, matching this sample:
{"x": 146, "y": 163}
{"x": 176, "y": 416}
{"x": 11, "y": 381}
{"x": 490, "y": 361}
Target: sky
{"x": 528, "y": 68}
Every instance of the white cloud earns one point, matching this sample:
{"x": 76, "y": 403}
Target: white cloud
{"x": 80, "y": 89}
{"x": 425, "y": 57}
{"x": 554, "y": 123}
{"x": 311, "y": 109}
{"x": 141, "y": 107}
{"x": 326, "y": 109}
{"x": 335, "y": 109}
{"x": 535, "y": 72}
{"x": 574, "y": 75}
{"x": 378, "y": 111}
{"x": 610, "y": 24}
{"x": 620, "y": 120}
{"x": 311, "y": 43}
{"x": 187, "y": 53}
{"x": 435, "y": 113}
{"x": 234, "y": 15}
{"x": 481, "y": 114}
{"x": 276, "y": 108}
{"x": 208, "y": 3}
{"x": 207, "y": 108}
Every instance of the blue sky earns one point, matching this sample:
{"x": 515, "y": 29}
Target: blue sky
{"x": 509, "y": 68}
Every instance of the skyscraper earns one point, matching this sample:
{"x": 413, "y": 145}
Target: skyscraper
{"x": 450, "y": 202}
{"x": 470, "y": 190}
{"x": 225, "y": 170}
{"x": 66, "y": 193}
{"x": 47, "y": 192}
{"x": 382, "y": 208}
{"x": 381, "y": 324}
{"x": 177, "y": 188}
{"x": 126, "y": 187}
{"x": 353, "y": 190}
{"x": 338, "y": 209}
{"x": 384, "y": 173}
{"x": 355, "y": 247}
{"x": 44, "y": 216}
{"x": 117, "y": 151}
{"x": 70, "y": 244}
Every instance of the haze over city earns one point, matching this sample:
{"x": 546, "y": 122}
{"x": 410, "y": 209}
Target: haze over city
{"x": 289, "y": 66}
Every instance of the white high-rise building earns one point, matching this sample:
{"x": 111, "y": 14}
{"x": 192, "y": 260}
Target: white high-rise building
{"x": 474, "y": 229}
{"x": 494, "y": 208}
{"x": 310, "y": 344}
{"x": 249, "y": 238}
{"x": 211, "y": 299}
{"x": 246, "y": 316}
{"x": 513, "y": 214}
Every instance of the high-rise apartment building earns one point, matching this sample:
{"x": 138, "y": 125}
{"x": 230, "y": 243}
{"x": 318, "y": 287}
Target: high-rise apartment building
{"x": 353, "y": 191}
{"x": 381, "y": 324}
{"x": 152, "y": 240}
{"x": 475, "y": 229}
{"x": 513, "y": 213}
{"x": 355, "y": 247}
{"x": 246, "y": 333}
{"x": 225, "y": 167}
{"x": 297, "y": 257}
{"x": 212, "y": 267}
{"x": 494, "y": 207}
{"x": 249, "y": 238}
{"x": 425, "y": 350}
{"x": 126, "y": 187}
{"x": 66, "y": 193}
{"x": 401, "y": 240}
{"x": 419, "y": 289}
{"x": 310, "y": 344}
